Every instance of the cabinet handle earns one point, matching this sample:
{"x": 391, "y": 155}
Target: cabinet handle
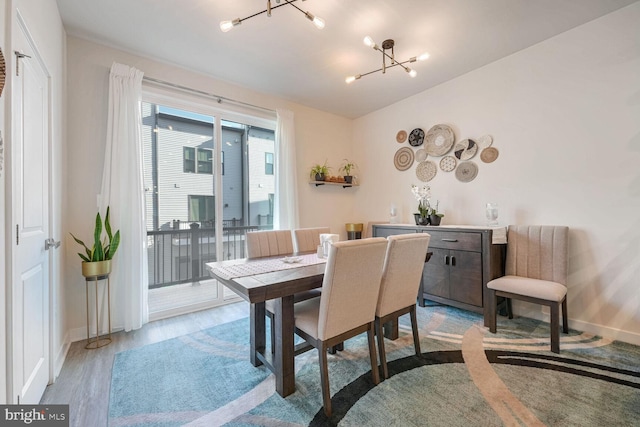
{"x": 446, "y": 259}
{"x": 453, "y": 260}
{"x": 449, "y": 240}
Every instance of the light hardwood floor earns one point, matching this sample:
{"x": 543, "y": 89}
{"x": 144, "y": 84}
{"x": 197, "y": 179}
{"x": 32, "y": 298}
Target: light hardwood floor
{"x": 85, "y": 378}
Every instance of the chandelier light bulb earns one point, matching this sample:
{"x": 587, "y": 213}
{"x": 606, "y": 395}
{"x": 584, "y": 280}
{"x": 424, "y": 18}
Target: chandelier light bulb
{"x": 423, "y": 56}
{"x": 226, "y": 26}
{"x": 369, "y": 41}
{"x": 412, "y": 73}
{"x": 352, "y": 79}
{"x": 318, "y": 22}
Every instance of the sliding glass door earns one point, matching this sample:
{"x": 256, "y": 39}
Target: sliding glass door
{"x": 202, "y": 197}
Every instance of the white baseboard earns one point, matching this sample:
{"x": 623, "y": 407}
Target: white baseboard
{"x": 61, "y": 355}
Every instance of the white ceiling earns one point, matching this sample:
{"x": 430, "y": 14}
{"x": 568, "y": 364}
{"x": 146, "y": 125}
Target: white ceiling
{"x": 285, "y": 55}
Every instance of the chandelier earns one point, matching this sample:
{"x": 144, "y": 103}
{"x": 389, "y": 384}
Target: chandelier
{"x": 318, "y": 22}
{"x": 387, "y": 45}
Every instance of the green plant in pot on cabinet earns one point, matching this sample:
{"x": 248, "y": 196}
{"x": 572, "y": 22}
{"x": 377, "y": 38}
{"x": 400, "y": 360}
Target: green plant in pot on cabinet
{"x": 434, "y": 216}
{"x": 97, "y": 260}
{"x": 347, "y": 167}
{"x": 319, "y": 172}
{"x": 422, "y": 195}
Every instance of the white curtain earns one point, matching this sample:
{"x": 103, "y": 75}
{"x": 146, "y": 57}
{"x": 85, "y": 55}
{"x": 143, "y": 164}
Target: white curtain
{"x": 123, "y": 192}
{"x": 286, "y": 198}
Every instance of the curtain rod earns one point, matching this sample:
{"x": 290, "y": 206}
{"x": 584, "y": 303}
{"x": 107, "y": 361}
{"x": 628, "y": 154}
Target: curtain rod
{"x": 218, "y": 98}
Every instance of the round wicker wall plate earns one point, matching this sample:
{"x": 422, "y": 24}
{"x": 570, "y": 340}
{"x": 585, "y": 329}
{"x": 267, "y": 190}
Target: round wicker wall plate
{"x": 466, "y": 171}
{"x": 401, "y": 136}
{"x": 3, "y": 71}
{"x": 485, "y": 141}
{"x": 416, "y": 137}
{"x": 421, "y": 155}
{"x": 448, "y": 163}
{"x": 439, "y": 140}
{"x": 403, "y": 158}
{"x": 489, "y": 154}
{"x": 465, "y": 149}
{"x": 426, "y": 171}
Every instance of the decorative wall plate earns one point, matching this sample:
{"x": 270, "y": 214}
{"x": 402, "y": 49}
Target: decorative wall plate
{"x": 465, "y": 149}
{"x": 416, "y": 137}
{"x": 401, "y": 136}
{"x": 426, "y": 170}
{"x": 448, "y": 163}
{"x": 3, "y": 71}
{"x": 485, "y": 141}
{"x": 466, "y": 171}
{"x": 439, "y": 140}
{"x": 421, "y": 155}
{"x": 489, "y": 154}
{"x": 403, "y": 158}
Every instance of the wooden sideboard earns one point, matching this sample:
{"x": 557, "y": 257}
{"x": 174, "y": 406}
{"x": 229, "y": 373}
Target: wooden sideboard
{"x": 464, "y": 259}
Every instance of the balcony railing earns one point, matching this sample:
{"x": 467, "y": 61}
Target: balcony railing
{"x": 178, "y": 255}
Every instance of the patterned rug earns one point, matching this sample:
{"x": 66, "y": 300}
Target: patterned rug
{"x": 466, "y": 377}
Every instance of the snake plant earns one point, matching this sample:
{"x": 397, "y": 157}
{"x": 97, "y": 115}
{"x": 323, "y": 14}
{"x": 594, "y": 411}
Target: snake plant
{"x": 103, "y": 249}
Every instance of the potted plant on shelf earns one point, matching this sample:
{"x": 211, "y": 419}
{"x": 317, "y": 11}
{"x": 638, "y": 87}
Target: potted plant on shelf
{"x": 97, "y": 260}
{"x": 422, "y": 195}
{"x": 319, "y": 172}
{"x": 434, "y": 216}
{"x": 346, "y": 167}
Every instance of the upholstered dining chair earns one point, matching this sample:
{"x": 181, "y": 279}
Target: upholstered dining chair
{"x": 536, "y": 271}
{"x": 401, "y": 275}
{"x": 347, "y": 306}
{"x": 308, "y": 239}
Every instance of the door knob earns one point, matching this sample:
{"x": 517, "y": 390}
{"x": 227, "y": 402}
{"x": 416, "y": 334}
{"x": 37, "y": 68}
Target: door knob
{"x": 51, "y": 243}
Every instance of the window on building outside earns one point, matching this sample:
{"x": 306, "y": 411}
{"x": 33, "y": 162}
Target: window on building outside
{"x": 201, "y": 208}
{"x": 189, "y": 154}
{"x": 268, "y": 163}
{"x": 205, "y": 161}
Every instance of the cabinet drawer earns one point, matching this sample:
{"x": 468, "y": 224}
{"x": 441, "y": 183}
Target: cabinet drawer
{"x": 459, "y": 240}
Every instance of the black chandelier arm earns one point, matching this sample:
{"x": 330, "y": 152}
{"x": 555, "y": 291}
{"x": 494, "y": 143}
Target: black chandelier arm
{"x": 389, "y": 66}
{"x": 271, "y": 8}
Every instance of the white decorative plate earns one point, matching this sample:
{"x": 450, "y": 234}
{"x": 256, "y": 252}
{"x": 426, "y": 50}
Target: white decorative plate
{"x": 465, "y": 149}
{"x": 466, "y": 171}
{"x": 485, "y": 141}
{"x": 426, "y": 170}
{"x": 448, "y": 163}
{"x": 403, "y": 158}
{"x": 421, "y": 155}
{"x": 439, "y": 140}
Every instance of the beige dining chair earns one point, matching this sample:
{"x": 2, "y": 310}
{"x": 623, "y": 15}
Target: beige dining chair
{"x": 269, "y": 243}
{"x": 308, "y": 239}
{"x": 272, "y": 243}
{"x": 536, "y": 271}
{"x": 347, "y": 306}
{"x": 403, "y": 265}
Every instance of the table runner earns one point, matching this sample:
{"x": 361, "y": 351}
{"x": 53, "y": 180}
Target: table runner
{"x": 267, "y": 266}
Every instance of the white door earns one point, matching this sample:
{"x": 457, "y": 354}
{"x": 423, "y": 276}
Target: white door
{"x": 30, "y": 176}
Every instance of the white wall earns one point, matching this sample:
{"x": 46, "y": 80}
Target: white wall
{"x": 45, "y": 26}
{"x": 3, "y": 276}
{"x": 565, "y": 115}
{"x": 319, "y": 135}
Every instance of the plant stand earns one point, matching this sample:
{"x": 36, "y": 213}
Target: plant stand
{"x": 97, "y": 341}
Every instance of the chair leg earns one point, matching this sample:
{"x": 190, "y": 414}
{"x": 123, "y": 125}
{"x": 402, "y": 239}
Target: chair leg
{"x": 555, "y": 328}
{"x": 273, "y": 331}
{"x": 565, "y": 319}
{"x": 509, "y": 309}
{"x": 381, "y": 349}
{"x": 324, "y": 379}
{"x": 493, "y": 301}
{"x": 372, "y": 353}
{"x": 414, "y": 327}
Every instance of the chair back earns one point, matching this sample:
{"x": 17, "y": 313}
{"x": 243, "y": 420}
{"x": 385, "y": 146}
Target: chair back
{"x": 269, "y": 243}
{"x": 402, "y": 272}
{"x": 351, "y": 285}
{"x": 308, "y": 239}
{"x": 538, "y": 252}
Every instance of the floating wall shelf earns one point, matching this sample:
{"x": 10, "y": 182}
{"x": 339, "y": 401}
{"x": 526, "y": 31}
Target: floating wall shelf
{"x": 343, "y": 184}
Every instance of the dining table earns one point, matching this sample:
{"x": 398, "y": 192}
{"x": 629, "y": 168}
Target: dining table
{"x": 279, "y": 278}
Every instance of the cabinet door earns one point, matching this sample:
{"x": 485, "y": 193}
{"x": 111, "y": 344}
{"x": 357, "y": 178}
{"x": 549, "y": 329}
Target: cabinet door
{"x": 465, "y": 277}
{"x": 435, "y": 276}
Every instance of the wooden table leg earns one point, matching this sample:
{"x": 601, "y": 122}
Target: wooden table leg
{"x": 283, "y": 362}
{"x": 257, "y": 332}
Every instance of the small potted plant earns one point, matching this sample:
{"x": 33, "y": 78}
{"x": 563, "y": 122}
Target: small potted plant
{"x": 434, "y": 216}
{"x": 319, "y": 172}
{"x": 346, "y": 167}
{"x": 422, "y": 195}
{"x": 97, "y": 260}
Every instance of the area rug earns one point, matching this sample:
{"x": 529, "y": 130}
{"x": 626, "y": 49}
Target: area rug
{"x": 466, "y": 376}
